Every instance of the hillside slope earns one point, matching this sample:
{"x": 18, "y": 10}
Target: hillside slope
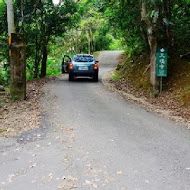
{"x": 132, "y": 76}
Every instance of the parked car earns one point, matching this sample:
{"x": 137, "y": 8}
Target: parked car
{"x": 81, "y": 65}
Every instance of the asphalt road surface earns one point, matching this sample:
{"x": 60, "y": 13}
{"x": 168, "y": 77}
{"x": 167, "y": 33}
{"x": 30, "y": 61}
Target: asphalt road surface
{"x": 91, "y": 138}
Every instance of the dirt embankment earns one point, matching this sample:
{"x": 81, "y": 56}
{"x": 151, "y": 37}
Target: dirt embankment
{"x": 19, "y": 116}
{"x": 131, "y": 80}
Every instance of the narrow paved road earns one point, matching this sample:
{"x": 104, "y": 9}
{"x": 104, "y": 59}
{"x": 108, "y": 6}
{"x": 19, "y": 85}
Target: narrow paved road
{"x": 92, "y": 139}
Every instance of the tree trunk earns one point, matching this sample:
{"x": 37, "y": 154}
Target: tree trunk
{"x": 152, "y": 40}
{"x": 89, "y": 46}
{"x": 167, "y": 14}
{"x": 18, "y": 67}
{"x": 89, "y": 42}
{"x": 153, "y": 79}
{"x": 36, "y": 63}
{"x": 77, "y": 42}
{"x": 92, "y": 42}
{"x": 44, "y": 60}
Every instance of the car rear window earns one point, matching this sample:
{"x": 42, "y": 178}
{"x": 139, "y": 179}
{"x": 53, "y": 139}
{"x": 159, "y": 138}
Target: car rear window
{"x": 83, "y": 58}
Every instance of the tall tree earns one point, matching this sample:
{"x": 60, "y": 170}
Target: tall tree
{"x": 151, "y": 25}
{"x": 42, "y": 22}
{"x": 146, "y": 24}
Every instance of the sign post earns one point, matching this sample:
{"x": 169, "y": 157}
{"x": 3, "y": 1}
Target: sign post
{"x": 161, "y": 64}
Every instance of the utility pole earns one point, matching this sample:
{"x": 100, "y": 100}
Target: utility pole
{"x": 10, "y": 17}
{"x": 17, "y": 53}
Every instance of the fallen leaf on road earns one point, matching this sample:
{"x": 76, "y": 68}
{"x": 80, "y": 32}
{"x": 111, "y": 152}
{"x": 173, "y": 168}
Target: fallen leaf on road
{"x": 119, "y": 172}
{"x": 72, "y": 136}
{"x": 89, "y": 166}
{"x": 50, "y": 176}
{"x": 95, "y": 186}
{"x": 33, "y": 165}
{"x": 88, "y": 182}
{"x": 9, "y": 129}
{"x": 72, "y": 178}
{"x": 147, "y": 181}
{"x": 66, "y": 186}
{"x": 37, "y": 145}
{"x": 65, "y": 160}
{"x": 107, "y": 180}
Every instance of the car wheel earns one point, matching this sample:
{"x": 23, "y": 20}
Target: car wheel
{"x": 71, "y": 77}
{"x": 95, "y": 77}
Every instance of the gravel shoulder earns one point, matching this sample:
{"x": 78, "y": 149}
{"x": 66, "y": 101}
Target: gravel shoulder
{"x": 19, "y": 116}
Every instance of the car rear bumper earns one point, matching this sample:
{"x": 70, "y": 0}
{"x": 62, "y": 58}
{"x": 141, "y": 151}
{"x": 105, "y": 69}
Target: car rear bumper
{"x": 83, "y": 73}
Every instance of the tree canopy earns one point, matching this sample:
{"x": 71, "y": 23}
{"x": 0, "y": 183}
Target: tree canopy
{"x": 92, "y": 25}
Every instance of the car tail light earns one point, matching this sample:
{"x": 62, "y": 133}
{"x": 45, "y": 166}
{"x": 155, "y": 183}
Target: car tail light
{"x": 70, "y": 66}
{"x": 96, "y": 65}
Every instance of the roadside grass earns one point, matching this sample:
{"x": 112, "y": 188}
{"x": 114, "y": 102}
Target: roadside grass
{"x": 116, "y": 77}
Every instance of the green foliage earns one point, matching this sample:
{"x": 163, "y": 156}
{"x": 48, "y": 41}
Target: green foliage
{"x": 53, "y": 67}
{"x": 4, "y": 49}
{"x": 2, "y": 7}
{"x": 4, "y": 75}
{"x": 92, "y": 25}
{"x": 92, "y": 32}
{"x": 116, "y": 77}
{"x": 116, "y": 44}
{"x": 172, "y": 26}
{"x": 125, "y": 23}
{"x": 181, "y": 27}
{"x": 133, "y": 73}
{"x": 42, "y": 21}
{"x": 96, "y": 54}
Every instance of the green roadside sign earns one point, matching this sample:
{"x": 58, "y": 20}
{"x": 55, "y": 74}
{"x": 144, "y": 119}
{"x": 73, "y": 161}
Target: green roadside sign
{"x": 161, "y": 62}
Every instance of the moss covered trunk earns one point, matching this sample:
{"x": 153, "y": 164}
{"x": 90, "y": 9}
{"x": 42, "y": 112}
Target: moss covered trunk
{"x": 151, "y": 33}
{"x": 18, "y": 67}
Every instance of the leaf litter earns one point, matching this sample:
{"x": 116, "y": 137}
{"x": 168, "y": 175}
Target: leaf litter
{"x": 19, "y": 116}
{"x": 68, "y": 183}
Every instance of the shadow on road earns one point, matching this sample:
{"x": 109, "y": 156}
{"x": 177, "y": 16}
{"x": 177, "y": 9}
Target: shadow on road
{"x": 79, "y": 80}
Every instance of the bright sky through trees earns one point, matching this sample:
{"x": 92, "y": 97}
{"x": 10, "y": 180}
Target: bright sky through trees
{"x": 56, "y": 2}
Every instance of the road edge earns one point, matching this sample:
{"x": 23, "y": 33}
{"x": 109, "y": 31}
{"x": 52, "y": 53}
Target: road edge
{"x": 167, "y": 114}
